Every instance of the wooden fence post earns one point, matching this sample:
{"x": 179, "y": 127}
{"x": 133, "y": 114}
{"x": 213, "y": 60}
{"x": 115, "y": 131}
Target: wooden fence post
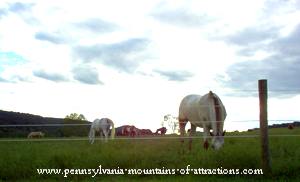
{"x": 263, "y": 119}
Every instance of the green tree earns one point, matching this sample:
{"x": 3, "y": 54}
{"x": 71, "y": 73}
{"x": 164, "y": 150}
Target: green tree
{"x": 75, "y": 130}
{"x": 75, "y": 116}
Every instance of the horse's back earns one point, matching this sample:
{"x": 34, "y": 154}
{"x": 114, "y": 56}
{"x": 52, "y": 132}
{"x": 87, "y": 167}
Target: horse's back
{"x": 194, "y": 108}
{"x": 102, "y": 123}
{"x": 96, "y": 124}
{"x": 188, "y": 107}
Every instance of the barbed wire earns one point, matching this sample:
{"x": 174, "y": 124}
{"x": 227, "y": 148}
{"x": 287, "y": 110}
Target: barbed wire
{"x": 89, "y": 124}
{"x": 139, "y": 138}
{"x": 36, "y": 125}
{"x": 269, "y": 90}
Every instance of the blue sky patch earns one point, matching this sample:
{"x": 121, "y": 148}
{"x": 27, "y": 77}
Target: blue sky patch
{"x": 10, "y": 59}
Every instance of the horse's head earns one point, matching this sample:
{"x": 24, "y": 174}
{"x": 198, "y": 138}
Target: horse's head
{"x": 217, "y": 140}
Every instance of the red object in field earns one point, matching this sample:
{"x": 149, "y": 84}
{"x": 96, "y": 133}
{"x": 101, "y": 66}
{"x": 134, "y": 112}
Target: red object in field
{"x": 290, "y": 126}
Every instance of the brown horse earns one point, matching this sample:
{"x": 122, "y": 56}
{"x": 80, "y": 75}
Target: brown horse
{"x": 290, "y": 126}
{"x": 145, "y": 132}
{"x": 127, "y": 130}
{"x": 161, "y": 131}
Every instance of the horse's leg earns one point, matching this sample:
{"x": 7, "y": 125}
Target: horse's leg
{"x": 182, "y": 124}
{"x": 192, "y": 133}
{"x": 101, "y": 134}
{"x": 92, "y": 136}
{"x": 105, "y": 132}
{"x": 205, "y": 134}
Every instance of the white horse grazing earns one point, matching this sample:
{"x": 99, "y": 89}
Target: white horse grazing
{"x": 103, "y": 126}
{"x": 207, "y": 112}
{"x": 37, "y": 134}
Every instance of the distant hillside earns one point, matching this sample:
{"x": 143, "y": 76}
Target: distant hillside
{"x": 285, "y": 125}
{"x": 16, "y": 118}
{"x": 282, "y": 125}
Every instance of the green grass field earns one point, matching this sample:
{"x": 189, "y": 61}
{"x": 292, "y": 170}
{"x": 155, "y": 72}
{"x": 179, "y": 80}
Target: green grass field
{"x": 19, "y": 160}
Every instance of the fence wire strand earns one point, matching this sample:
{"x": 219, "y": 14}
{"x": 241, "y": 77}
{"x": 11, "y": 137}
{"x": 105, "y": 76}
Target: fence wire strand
{"x": 89, "y": 124}
{"x": 139, "y": 138}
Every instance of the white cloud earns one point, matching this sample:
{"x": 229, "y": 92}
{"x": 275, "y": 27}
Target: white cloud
{"x": 190, "y": 37}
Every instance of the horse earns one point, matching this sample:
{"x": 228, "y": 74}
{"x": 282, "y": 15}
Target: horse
{"x": 290, "y": 126}
{"x": 127, "y": 130}
{"x": 119, "y": 131}
{"x": 131, "y": 131}
{"x": 145, "y": 132}
{"x": 123, "y": 130}
{"x": 103, "y": 126}
{"x": 162, "y": 131}
{"x": 207, "y": 112}
{"x": 37, "y": 134}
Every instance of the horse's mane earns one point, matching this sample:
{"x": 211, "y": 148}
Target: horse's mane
{"x": 217, "y": 106}
{"x": 113, "y": 128}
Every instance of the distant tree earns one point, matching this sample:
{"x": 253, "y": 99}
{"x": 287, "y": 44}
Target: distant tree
{"x": 75, "y": 116}
{"x": 73, "y": 130}
{"x": 171, "y": 122}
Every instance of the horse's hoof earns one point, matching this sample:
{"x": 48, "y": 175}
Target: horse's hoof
{"x": 205, "y": 145}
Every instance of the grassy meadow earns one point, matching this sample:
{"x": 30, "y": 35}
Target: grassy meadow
{"x": 20, "y": 159}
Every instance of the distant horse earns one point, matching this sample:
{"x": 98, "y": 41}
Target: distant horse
{"x": 127, "y": 130}
{"x": 161, "y": 131}
{"x": 290, "y": 126}
{"x": 134, "y": 131}
{"x": 119, "y": 131}
{"x": 123, "y": 130}
{"x": 207, "y": 112}
{"x": 37, "y": 134}
{"x": 145, "y": 132}
{"x": 103, "y": 126}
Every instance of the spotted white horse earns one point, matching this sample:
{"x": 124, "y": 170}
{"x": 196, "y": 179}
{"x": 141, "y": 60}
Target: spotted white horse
{"x": 103, "y": 127}
{"x": 207, "y": 112}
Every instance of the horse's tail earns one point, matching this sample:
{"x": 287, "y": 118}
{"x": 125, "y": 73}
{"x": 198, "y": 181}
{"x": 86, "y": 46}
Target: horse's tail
{"x": 113, "y": 130}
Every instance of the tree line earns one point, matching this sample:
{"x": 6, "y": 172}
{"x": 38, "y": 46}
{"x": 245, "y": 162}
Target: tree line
{"x": 58, "y": 128}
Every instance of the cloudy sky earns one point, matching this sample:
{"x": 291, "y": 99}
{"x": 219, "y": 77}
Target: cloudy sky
{"x": 133, "y": 61}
